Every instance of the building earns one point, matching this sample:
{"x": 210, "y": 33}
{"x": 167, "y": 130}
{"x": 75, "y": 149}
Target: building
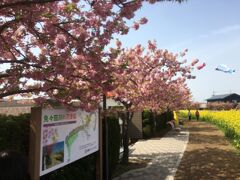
{"x": 135, "y": 125}
{"x": 202, "y": 106}
{"x": 232, "y": 98}
{"x": 15, "y": 107}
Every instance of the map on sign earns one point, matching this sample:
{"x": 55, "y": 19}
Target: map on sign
{"x": 66, "y": 136}
{"x": 88, "y": 124}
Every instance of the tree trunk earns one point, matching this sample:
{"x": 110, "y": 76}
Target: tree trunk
{"x": 154, "y": 121}
{"x": 126, "y": 138}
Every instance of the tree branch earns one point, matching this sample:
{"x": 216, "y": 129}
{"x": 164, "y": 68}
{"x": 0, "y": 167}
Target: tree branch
{"x": 9, "y": 49}
{"x": 21, "y": 91}
{"x": 69, "y": 34}
{"x": 7, "y": 24}
{"x": 4, "y": 75}
{"x": 23, "y": 61}
{"x": 13, "y": 92}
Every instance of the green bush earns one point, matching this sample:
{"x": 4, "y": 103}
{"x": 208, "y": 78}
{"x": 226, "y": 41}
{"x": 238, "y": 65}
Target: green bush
{"x": 162, "y": 119}
{"x": 147, "y": 131}
{"x": 229, "y": 132}
{"x": 161, "y": 122}
{"x": 113, "y": 142}
{"x": 146, "y": 115}
{"x": 14, "y": 132}
{"x": 148, "y": 124}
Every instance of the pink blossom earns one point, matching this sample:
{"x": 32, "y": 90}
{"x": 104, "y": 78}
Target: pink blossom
{"x": 118, "y": 43}
{"x": 143, "y": 21}
{"x": 60, "y": 41}
{"x": 195, "y": 61}
{"x": 184, "y": 61}
{"x": 136, "y": 26}
{"x": 201, "y": 66}
{"x": 151, "y": 46}
{"x": 72, "y": 61}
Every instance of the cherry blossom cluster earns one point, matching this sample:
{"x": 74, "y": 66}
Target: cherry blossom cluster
{"x": 57, "y": 49}
{"x": 152, "y": 78}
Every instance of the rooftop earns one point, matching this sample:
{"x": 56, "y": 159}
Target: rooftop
{"x": 215, "y": 97}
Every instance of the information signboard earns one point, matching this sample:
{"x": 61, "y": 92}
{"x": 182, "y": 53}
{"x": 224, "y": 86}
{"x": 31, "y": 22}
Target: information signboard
{"x": 66, "y": 136}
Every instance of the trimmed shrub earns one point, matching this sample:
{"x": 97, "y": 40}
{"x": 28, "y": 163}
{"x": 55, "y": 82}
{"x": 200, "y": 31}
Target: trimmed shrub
{"x": 14, "y": 132}
{"x": 147, "y": 131}
{"x": 148, "y": 124}
{"x": 113, "y": 143}
{"x": 161, "y": 122}
{"x": 162, "y": 119}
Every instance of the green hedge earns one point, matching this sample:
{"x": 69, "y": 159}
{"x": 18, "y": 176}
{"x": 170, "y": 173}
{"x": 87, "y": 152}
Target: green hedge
{"x": 162, "y": 119}
{"x": 113, "y": 142}
{"x": 147, "y": 131}
{"x": 161, "y": 122}
{"x": 147, "y": 124}
{"x": 14, "y": 134}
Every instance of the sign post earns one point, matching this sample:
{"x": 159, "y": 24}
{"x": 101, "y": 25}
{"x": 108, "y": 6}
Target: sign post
{"x": 35, "y": 138}
{"x": 99, "y": 161}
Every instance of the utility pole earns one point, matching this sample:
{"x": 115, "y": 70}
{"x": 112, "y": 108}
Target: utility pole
{"x": 213, "y": 93}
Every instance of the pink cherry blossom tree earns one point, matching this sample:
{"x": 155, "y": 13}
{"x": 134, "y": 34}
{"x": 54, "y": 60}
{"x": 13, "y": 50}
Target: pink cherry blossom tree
{"x": 149, "y": 79}
{"x": 55, "y": 48}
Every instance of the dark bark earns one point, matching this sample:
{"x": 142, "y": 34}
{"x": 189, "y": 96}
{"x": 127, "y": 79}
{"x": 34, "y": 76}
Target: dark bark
{"x": 126, "y": 123}
{"x": 125, "y": 138}
{"x": 19, "y": 91}
{"x": 22, "y": 91}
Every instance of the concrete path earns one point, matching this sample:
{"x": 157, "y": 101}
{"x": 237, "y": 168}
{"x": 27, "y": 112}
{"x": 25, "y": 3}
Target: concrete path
{"x": 165, "y": 154}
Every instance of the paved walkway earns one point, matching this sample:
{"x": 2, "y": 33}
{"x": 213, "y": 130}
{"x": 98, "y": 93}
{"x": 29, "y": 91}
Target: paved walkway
{"x": 200, "y": 152}
{"x": 165, "y": 154}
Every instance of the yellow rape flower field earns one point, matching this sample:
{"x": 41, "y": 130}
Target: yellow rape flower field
{"x": 228, "y": 121}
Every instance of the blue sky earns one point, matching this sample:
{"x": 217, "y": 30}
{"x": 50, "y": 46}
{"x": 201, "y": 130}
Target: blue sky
{"x": 209, "y": 29}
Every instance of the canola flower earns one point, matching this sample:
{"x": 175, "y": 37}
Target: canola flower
{"x": 175, "y": 116}
{"x": 228, "y": 121}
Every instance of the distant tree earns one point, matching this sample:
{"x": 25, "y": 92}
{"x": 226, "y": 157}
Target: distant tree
{"x": 221, "y": 105}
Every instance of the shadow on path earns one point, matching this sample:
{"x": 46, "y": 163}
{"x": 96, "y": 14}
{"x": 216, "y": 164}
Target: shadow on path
{"x": 164, "y": 154}
{"x": 208, "y": 155}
